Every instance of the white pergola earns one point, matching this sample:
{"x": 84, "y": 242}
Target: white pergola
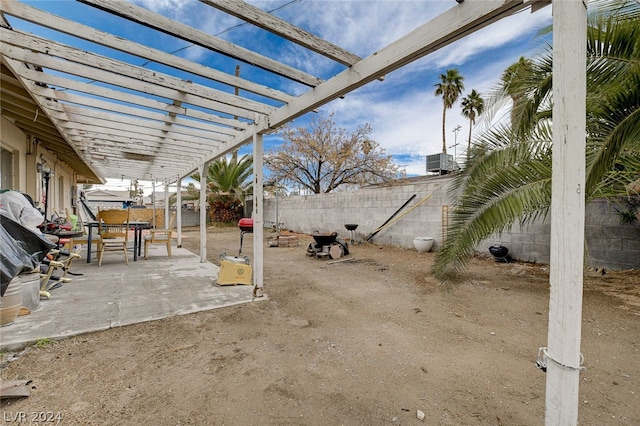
{"x": 118, "y": 118}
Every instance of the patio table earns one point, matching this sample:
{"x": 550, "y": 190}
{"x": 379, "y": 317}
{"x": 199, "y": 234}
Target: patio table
{"x": 137, "y": 226}
{"x": 90, "y": 225}
{"x": 137, "y": 236}
{"x": 65, "y": 234}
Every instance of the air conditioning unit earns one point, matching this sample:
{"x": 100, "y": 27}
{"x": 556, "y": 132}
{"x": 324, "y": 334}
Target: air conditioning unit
{"x": 440, "y": 163}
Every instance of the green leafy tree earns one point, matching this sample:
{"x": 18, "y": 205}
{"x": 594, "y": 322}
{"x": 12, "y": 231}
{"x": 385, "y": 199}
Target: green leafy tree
{"x": 136, "y": 193}
{"x": 472, "y": 106}
{"x": 189, "y": 193}
{"x": 450, "y": 87}
{"x": 509, "y": 179}
{"x": 324, "y": 157}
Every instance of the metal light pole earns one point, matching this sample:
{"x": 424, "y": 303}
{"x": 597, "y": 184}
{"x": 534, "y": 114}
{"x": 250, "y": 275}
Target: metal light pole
{"x": 455, "y": 143}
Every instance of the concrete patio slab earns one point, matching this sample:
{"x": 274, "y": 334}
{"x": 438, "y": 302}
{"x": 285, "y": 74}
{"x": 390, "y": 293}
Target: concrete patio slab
{"x": 117, "y": 294}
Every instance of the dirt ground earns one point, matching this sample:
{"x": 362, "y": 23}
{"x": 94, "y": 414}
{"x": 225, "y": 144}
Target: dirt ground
{"x": 364, "y": 342}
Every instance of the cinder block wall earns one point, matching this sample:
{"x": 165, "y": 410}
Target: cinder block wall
{"x": 190, "y": 217}
{"x": 610, "y": 244}
{"x": 369, "y": 208}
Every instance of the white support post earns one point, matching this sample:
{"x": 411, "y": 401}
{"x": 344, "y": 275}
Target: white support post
{"x": 567, "y": 212}
{"x": 179, "y": 211}
{"x": 203, "y": 170}
{"x": 258, "y": 219}
{"x": 153, "y": 206}
{"x": 167, "y": 185}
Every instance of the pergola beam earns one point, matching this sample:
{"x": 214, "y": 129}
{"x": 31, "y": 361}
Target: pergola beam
{"x": 282, "y": 28}
{"x": 99, "y": 68}
{"x": 84, "y": 32}
{"x": 139, "y": 125}
{"x": 75, "y": 104}
{"x": 168, "y": 26}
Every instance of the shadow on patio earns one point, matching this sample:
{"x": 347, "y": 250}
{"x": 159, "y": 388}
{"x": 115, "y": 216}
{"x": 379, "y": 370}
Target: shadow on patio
{"x": 117, "y": 294}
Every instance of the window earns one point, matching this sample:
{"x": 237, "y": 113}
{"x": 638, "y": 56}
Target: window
{"x": 6, "y": 169}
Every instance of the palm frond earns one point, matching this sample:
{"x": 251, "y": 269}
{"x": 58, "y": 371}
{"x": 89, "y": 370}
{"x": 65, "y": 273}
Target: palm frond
{"x": 507, "y": 182}
{"x": 508, "y": 179}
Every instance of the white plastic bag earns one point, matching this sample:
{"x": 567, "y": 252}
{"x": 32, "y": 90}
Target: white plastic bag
{"x": 15, "y": 206}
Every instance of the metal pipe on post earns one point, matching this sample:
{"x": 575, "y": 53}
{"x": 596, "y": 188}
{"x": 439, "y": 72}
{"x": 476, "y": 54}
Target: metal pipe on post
{"x": 562, "y": 356}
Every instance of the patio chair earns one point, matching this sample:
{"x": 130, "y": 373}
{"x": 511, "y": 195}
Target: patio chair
{"x": 113, "y": 232}
{"x": 160, "y": 236}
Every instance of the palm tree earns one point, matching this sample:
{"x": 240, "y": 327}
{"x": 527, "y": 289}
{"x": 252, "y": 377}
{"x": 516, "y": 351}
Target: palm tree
{"x": 450, "y": 88}
{"x": 228, "y": 180}
{"x": 515, "y": 84}
{"x": 472, "y": 106}
{"x": 230, "y": 176}
{"x": 510, "y": 175}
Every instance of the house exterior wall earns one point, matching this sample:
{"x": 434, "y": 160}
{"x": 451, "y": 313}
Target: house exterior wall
{"x": 15, "y": 141}
{"x": 609, "y": 243}
{"x": 26, "y": 179}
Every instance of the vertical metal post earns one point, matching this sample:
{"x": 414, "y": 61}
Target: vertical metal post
{"x": 47, "y": 177}
{"x": 567, "y": 212}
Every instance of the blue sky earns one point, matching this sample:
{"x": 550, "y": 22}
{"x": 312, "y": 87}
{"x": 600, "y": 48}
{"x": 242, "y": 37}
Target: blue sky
{"x": 405, "y": 114}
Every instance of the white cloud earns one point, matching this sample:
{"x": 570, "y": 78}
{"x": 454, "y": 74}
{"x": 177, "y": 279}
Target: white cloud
{"x": 363, "y": 27}
{"x": 401, "y": 125}
{"x": 164, "y": 7}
